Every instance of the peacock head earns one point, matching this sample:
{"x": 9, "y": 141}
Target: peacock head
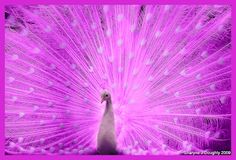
{"x": 105, "y": 96}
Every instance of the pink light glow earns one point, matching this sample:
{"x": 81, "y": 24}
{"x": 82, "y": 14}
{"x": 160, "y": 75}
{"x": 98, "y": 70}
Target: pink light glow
{"x": 167, "y": 68}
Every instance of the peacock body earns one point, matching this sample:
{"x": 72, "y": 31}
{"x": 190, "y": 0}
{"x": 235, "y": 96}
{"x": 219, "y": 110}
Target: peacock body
{"x": 106, "y": 139}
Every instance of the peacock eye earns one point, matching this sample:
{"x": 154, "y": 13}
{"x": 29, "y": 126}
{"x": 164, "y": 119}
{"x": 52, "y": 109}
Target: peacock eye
{"x": 106, "y": 95}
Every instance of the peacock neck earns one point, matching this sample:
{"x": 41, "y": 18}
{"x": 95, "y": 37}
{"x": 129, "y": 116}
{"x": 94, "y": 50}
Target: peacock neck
{"x": 108, "y": 106}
